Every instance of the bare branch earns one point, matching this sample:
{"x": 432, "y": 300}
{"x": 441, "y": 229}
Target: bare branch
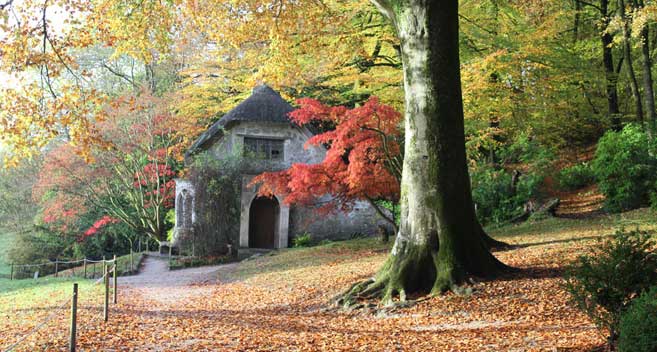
{"x": 6, "y": 4}
{"x": 120, "y": 74}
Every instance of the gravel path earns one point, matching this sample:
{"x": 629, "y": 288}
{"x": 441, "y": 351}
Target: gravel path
{"x": 157, "y": 282}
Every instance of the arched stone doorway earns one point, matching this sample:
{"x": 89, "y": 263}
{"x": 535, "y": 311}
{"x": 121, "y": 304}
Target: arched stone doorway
{"x": 263, "y": 222}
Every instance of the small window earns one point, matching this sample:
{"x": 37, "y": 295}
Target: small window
{"x": 261, "y": 148}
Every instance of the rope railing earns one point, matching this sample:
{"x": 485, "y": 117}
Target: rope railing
{"x": 73, "y": 301}
{"x": 55, "y": 267}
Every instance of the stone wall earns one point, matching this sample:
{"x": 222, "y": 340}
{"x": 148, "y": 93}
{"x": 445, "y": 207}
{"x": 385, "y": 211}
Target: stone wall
{"x": 361, "y": 220}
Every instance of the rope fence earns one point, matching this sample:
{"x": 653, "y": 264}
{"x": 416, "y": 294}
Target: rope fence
{"x": 110, "y": 267}
{"x": 84, "y": 268}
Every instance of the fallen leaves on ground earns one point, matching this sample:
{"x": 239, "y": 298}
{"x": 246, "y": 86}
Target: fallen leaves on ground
{"x": 276, "y": 303}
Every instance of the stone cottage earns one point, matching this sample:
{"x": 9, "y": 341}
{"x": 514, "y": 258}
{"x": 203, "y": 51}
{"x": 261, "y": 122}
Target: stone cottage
{"x": 269, "y": 141}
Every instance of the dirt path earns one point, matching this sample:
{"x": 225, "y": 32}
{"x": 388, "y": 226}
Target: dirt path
{"x": 158, "y": 283}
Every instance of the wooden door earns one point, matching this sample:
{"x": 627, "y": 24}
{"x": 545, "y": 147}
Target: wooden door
{"x": 262, "y": 222}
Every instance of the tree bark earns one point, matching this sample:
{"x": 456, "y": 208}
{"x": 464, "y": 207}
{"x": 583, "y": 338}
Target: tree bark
{"x": 440, "y": 243}
{"x": 611, "y": 77}
{"x": 629, "y": 62}
{"x": 576, "y": 21}
{"x": 648, "y": 91}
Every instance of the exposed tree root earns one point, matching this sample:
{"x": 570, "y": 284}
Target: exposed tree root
{"x": 414, "y": 269}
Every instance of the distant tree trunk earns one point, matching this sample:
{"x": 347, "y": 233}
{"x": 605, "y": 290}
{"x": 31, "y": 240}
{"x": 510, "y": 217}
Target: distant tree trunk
{"x": 576, "y": 21}
{"x": 629, "y": 62}
{"x": 493, "y": 124}
{"x": 646, "y": 66}
{"x": 611, "y": 77}
{"x": 440, "y": 242}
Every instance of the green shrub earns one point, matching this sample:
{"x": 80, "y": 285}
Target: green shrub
{"x": 494, "y": 196}
{"x": 603, "y": 283}
{"x": 638, "y": 326}
{"x": 576, "y": 176}
{"x": 625, "y": 168}
{"x": 304, "y": 240}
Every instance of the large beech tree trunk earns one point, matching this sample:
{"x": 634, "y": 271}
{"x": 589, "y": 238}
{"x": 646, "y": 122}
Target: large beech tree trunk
{"x": 440, "y": 242}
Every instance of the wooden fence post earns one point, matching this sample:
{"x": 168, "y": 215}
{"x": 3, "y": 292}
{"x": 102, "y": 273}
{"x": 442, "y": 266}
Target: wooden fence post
{"x": 85, "y": 267}
{"x": 74, "y": 316}
{"x": 56, "y": 266}
{"x": 116, "y": 267}
{"x": 106, "y": 305}
{"x": 11, "y": 276}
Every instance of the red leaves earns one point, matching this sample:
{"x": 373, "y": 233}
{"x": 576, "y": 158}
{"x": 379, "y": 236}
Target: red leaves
{"x": 313, "y": 110}
{"x": 99, "y": 224}
{"x": 356, "y": 164}
{"x": 157, "y": 180}
{"x": 134, "y": 169}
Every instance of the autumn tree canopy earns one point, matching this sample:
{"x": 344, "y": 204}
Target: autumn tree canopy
{"x": 131, "y": 179}
{"x": 46, "y": 54}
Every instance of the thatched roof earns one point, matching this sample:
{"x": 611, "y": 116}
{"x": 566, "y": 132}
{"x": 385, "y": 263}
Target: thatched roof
{"x": 264, "y": 105}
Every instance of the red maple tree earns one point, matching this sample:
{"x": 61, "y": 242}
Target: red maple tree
{"x": 130, "y": 180}
{"x": 363, "y": 158}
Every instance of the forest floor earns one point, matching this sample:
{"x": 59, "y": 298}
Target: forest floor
{"x": 277, "y": 302}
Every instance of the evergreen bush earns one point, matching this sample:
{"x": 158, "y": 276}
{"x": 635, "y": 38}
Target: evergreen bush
{"x": 603, "y": 283}
{"x": 638, "y": 326}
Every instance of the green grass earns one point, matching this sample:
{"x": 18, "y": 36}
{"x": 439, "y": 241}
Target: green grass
{"x": 645, "y": 219}
{"x": 33, "y": 293}
{"x": 122, "y": 261}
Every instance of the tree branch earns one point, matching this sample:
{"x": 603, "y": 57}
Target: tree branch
{"x": 6, "y": 4}
{"x": 382, "y": 214}
{"x": 385, "y": 7}
{"x": 120, "y": 75}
